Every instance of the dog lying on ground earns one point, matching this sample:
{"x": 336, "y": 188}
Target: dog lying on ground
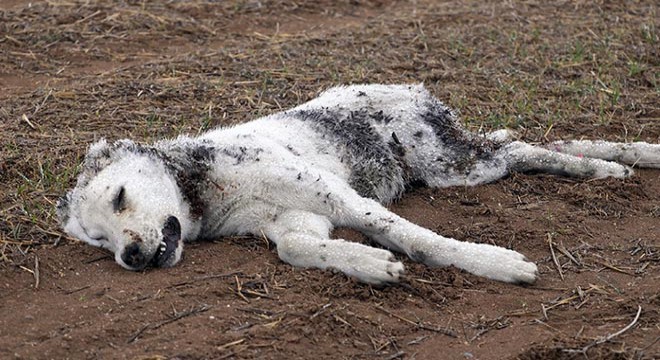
{"x": 295, "y": 175}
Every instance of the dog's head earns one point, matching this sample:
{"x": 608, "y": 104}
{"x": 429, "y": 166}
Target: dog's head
{"x": 127, "y": 200}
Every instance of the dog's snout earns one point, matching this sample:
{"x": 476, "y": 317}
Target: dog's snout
{"x": 134, "y": 236}
{"x": 172, "y": 229}
{"x": 133, "y": 256}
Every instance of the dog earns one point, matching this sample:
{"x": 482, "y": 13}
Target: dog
{"x": 334, "y": 161}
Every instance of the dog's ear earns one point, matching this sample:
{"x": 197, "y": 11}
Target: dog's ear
{"x": 62, "y": 208}
{"x": 127, "y": 145}
{"x": 98, "y": 156}
{"x": 101, "y": 154}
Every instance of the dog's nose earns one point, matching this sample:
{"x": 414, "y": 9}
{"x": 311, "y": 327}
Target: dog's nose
{"x": 133, "y": 256}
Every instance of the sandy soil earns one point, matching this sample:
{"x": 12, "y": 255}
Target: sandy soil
{"x": 74, "y": 71}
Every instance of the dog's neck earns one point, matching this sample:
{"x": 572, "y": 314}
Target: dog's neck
{"x": 189, "y": 163}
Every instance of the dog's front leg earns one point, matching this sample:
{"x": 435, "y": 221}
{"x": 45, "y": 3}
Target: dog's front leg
{"x": 425, "y": 246}
{"x": 303, "y": 240}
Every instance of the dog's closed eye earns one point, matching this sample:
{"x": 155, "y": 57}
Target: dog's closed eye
{"x": 119, "y": 201}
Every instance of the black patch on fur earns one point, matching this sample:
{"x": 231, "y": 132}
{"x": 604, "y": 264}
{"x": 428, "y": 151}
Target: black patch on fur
{"x": 376, "y": 167}
{"x": 242, "y": 153}
{"x": 418, "y": 256}
{"x": 190, "y": 164}
{"x": 397, "y": 148}
{"x": 191, "y": 180}
{"x": 419, "y": 134}
{"x": 396, "y": 138}
{"x": 467, "y": 148}
{"x": 380, "y": 117}
{"x": 399, "y": 152}
{"x": 202, "y": 153}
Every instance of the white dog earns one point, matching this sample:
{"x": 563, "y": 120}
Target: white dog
{"x": 296, "y": 174}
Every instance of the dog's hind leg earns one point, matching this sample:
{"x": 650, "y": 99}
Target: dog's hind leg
{"x": 635, "y": 154}
{"x": 303, "y": 240}
{"x": 523, "y": 157}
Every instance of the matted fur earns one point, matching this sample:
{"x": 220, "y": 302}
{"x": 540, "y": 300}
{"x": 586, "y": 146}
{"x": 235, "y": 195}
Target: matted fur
{"x": 295, "y": 175}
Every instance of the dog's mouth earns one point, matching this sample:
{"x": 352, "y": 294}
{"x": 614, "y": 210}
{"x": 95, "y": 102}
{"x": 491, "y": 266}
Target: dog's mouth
{"x": 165, "y": 253}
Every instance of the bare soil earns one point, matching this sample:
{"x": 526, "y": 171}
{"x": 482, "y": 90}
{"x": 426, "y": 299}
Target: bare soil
{"x": 74, "y": 71}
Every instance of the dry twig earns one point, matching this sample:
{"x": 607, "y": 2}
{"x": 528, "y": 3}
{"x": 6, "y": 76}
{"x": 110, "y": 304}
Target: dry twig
{"x": 176, "y": 316}
{"x": 36, "y": 272}
{"x": 441, "y": 330}
{"x": 607, "y": 338}
{"x": 554, "y": 257}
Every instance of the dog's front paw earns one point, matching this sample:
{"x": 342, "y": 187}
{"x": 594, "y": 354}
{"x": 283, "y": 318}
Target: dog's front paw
{"x": 373, "y": 266}
{"x": 516, "y": 269}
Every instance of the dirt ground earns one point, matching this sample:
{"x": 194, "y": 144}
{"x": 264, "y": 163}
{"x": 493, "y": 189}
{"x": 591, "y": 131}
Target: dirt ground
{"x": 74, "y": 71}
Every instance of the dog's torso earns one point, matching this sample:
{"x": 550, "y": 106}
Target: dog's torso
{"x": 371, "y": 140}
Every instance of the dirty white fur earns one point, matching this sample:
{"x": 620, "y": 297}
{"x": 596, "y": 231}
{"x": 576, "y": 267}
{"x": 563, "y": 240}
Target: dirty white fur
{"x": 295, "y": 175}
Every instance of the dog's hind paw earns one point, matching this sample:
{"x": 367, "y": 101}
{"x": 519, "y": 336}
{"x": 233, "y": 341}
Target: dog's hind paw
{"x": 500, "y": 264}
{"x": 605, "y": 169}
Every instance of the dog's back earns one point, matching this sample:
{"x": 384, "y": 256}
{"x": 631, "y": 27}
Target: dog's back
{"x": 383, "y": 136}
